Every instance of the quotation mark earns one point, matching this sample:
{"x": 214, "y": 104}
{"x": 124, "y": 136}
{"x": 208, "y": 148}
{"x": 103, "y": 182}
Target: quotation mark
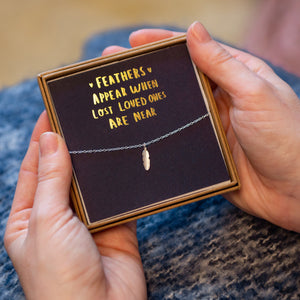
{"x": 91, "y": 84}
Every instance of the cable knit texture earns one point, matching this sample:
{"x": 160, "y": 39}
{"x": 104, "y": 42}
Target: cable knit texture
{"x": 205, "y": 250}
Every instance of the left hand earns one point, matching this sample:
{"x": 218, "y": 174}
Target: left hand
{"x": 52, "y": 251}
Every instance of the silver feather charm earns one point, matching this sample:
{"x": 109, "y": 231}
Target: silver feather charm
{"x": 146, "y": 158}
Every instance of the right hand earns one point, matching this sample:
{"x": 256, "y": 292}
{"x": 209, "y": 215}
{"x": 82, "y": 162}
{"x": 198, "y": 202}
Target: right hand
{"x": 261, "y": 117}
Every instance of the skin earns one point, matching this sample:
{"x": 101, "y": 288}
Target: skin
{"x": 54, "y": 254}
{"x": 261, "y": 117}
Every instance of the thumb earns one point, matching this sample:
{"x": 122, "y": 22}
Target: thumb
{"x": 219, "y": 64}
{"x": 54, "y": 176}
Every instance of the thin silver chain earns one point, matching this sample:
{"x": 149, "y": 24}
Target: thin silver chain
{"x": 142, "y": 144}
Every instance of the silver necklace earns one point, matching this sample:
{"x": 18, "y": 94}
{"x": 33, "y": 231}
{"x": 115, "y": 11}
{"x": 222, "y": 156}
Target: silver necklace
{"x": 145, "y": 153}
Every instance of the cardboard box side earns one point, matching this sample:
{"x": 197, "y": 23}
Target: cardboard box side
{"x": 75, "y": 193}
{"x": 97, "y": 226}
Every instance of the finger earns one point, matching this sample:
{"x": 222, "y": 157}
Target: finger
{"x": 112, "y": 50}
{"x": 54, "y": 177}
{"x": 220, "y": 65}
{"x": 145, "y": 36}
{"x": 262, "y": 69}
{"x": 27, "y": 181}
{"x": 17, "y": 222}
{"x": 41, "y": 126}
{"x": 255, "y": 64}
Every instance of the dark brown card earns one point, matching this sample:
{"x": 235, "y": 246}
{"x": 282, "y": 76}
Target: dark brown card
{"x": 110, "y": 109}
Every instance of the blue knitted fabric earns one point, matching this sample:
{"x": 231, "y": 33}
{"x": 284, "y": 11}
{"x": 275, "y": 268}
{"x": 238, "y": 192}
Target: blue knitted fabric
{"x": 204, "y": 250}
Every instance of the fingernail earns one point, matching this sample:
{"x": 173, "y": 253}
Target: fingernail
{"x": 136, "y": 31}
{"x": 199, "y": 32}
{"x": 48, "y": 143}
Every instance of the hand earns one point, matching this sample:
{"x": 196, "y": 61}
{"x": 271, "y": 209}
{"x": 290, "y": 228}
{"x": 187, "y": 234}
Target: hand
{"x": 261, "y": 117}
{"x": 52, "y": 251}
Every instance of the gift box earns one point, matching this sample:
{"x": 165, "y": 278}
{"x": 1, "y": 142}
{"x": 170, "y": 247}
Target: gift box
{"x": 143, "y": 132}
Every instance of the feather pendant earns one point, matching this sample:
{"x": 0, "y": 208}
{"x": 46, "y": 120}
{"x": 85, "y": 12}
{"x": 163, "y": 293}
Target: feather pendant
{"x": 146, "y": 158}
